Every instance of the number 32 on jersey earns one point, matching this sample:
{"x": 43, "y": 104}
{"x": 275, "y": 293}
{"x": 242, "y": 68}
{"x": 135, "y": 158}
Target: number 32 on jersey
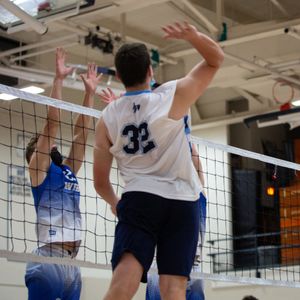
{"x": 138, "y": 138}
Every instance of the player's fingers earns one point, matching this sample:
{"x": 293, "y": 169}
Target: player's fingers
{"x": 173, "y": 29}
{"x": 106, "y": 93}
{"x": 179, "y": 27}
{"x": 110, "y": 91}
{"x": 99, "y": 77}
{"x": 83, "y": 77}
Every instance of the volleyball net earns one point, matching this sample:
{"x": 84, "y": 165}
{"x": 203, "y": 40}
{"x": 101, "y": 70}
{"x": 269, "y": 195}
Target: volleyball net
{"x": 252, "y": 232}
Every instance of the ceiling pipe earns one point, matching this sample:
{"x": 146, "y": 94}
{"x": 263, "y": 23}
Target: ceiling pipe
{"x": 64, "y": 25}
{"x": 47, "y": 20}
{"x": 37, "y": 45}
{"x": 280, "y": 7}
{"x": 228, "y": 119}
{"x": 219, "y": 13}
{"x": 263, "y": 68}
{"x": 285, "y": 64}
{"x": 65, "y": 45}
{"x": 25, "y": 17}
{"x": 48, "y": 79}
{"x": 293, "y": 32}
{"x": 84, "y": 32}
{"x": 278, "y": 29}
{"x": 209, "y": 25}
{"x": 116, "y": 8}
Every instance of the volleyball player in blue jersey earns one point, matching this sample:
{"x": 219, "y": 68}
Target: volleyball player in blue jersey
{"x": 144, "y": 131}
{"x": 56, "y": 195}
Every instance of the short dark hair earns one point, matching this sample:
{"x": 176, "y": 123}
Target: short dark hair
{"x": 30, "y": 148}
{"x": 132, "y": 62}
{"x": 249, "y": 298}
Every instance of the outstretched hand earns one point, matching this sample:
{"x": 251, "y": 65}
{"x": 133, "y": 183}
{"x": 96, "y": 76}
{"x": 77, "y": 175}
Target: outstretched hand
{"x": 108, "y": 96}
{"x": 91, "y": 79}
{"x": 180, "y": 31}
{"x": 62, "y": 71}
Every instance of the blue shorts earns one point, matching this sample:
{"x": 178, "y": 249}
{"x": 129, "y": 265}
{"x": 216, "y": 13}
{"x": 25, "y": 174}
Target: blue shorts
{"x": 147, "y": 221}
{"x": 51, "y": 281}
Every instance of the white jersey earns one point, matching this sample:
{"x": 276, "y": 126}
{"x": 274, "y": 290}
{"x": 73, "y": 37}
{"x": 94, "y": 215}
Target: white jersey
{"x": 152, "y": 150}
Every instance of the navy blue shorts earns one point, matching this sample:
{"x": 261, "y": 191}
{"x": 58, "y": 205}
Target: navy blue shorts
{"x": 147, "y": 221}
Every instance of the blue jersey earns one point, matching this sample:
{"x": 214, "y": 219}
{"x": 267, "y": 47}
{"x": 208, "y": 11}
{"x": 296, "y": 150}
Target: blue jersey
{"x": 56, "y": 202}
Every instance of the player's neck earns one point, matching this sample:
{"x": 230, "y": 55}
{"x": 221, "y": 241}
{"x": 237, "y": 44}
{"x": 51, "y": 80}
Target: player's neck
{"x": 140, "y": 87}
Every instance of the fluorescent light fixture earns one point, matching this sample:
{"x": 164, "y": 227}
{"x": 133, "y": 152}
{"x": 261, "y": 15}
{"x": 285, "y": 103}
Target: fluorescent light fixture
{"x": 7, "y": 97}
{"x": 296, "y": 103}
{"x": 33, "y": 89}
{"x": 30, "y": 89}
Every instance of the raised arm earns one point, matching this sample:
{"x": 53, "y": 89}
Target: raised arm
{"x": 82, "y": 124}
{"x": 102, "y": 166}
{"x": 191, "y": 87}
{"x": 40, "y": 160}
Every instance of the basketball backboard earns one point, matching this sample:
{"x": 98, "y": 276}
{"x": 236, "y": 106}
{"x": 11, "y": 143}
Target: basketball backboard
{"x": 38, "y": 9}
{"x": 290, "y": 116}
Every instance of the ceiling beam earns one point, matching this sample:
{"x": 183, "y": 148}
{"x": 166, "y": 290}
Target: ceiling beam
{"x": 37, "y": 76}
{"x": 123, "y": 27}
{"x": 47, "y": 50}
{"x": 219, "y": 13}
{"x": 120, "y": 6}
{"x": 37, "y": 45}
{"x": 280, "y": 7}
{"x": 237, "y": 35}
{"x": 263, "y": 68}
{"x": 229, "y": 119}
{"x": 249, "y": 96}
{"x": 291, "y": 31}
{"x": 188, "y": 16}
{"x": 208, "y": 24}
{"x": 130, "y": 38}
{"x": 24, "y": 16}
{"x": 45, "y": 20}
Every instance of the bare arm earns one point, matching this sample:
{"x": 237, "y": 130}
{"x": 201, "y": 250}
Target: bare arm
{"x": 81, "y": 128}
{"x": 191, "y": 87}
{"x": 102, "y": 166}
{"x": 40, "y": 159}
{"x": 197, "y": 164}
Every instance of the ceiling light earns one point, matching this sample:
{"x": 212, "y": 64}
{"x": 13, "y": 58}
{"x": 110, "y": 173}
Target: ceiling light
{"x": 296, "y": 103}
{"x": 7, "y": 97}
{"x": 33, "y": 89}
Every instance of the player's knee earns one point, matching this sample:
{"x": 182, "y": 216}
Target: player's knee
{"x": 121, "y": 291}
{"x": 172, "y": 289}
{"x": 172, "y": 292}
{"x": 126, "y": 277}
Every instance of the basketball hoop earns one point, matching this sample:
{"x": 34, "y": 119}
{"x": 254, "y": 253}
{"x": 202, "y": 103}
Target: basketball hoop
{"x": 284, "y": 103}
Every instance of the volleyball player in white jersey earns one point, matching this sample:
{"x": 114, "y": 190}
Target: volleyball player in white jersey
{"x": 144, "y": 131}
{"x": 56, "y": 195}
{"x": 194, "y": 290}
